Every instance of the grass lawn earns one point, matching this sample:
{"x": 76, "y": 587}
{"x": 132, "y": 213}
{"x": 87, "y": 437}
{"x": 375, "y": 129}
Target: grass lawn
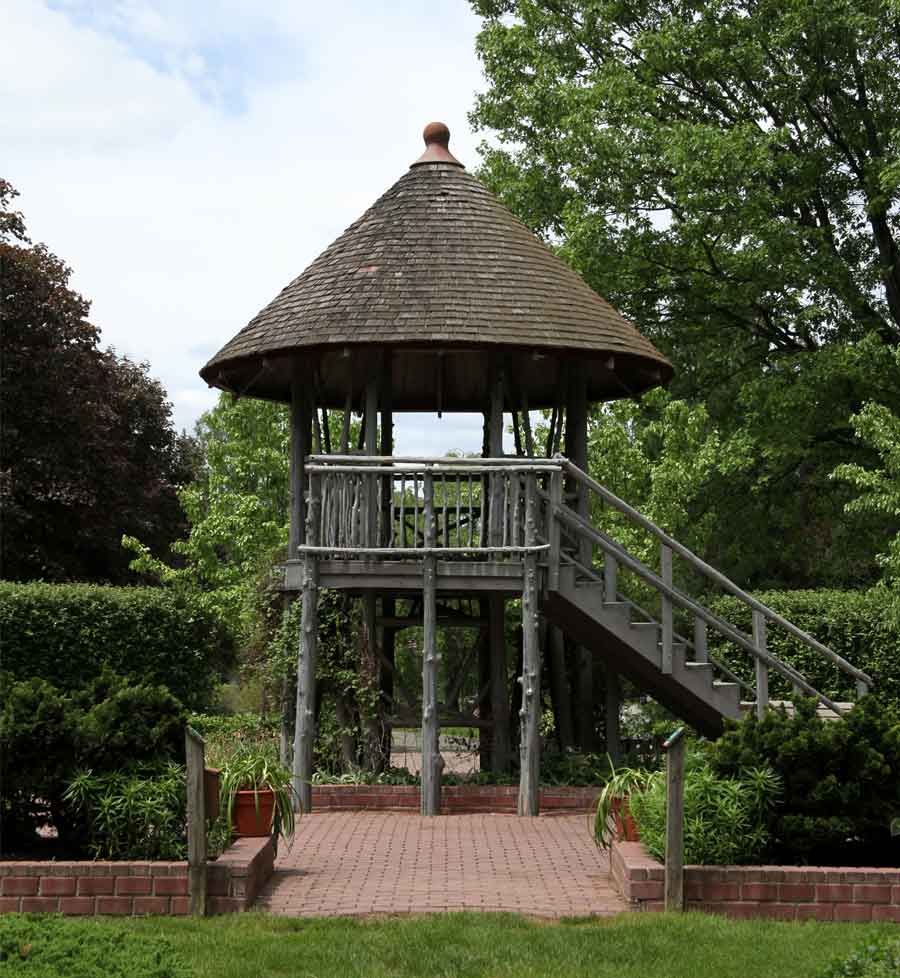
{"x": 497, "y": 945}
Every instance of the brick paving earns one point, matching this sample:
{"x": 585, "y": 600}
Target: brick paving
{"x": 357, "y": 863}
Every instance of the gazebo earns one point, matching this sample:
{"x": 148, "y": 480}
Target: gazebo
{"x": 438, "y": 299}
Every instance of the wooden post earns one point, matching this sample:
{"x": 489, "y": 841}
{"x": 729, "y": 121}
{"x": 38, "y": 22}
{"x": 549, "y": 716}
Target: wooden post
{"x": 610, "y": 578}
{"x": 668, "y": 629}
{"x": 576, "y": 450}
{"x": 613, "y": 709}
{"x": 432, "y": 762}
{"x": 388, "y": 603}
{"x": 529, "y": 715}
{"x": 301, "y": 437}
{"x": 559, "y": 686}
{"x": 500, "y": 752}
{"x": 674, "y": 878}
{"x": 762, "y": 670}
{"x": 554, "y": 531}
{"x": 196, "y": 821}
{"x": 305, "y": 722}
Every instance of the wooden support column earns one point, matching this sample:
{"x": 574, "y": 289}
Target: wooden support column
{"x": 530, "y": 712}
{"x": 559, "y": 686}
{"x": 305, "y": 721}
{"x": 301, "y": 442}
{"x": 500, "y": 754}
{"x": 613, "y": 711}
{"x": 371, "y": 724}
{"x": 576, "y": 451}
{"x": 388, "y": 603}
{"x": 432, "y": 762}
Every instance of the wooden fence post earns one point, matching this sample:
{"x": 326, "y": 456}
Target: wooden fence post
{"x": 196, "y": 821}
{"x": 674, "y": 885}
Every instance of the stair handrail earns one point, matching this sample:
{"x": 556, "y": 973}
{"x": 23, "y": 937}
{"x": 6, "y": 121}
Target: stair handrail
{"x": 716, "y": 576}
{"x": 678, "y": 597}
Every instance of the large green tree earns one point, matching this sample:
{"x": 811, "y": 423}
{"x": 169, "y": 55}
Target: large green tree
{"x": 88, "y": 450}
{"x": 726, "y": 173}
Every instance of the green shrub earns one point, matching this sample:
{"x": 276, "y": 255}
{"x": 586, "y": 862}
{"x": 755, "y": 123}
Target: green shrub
{"x": 861, "y": 626}
{"x": 876, "y": 958}
{"x": 50, "y": 946}
{"x": 841, "y": 788}
{"x": 725, "y": 819}
{"x": 47, "y": 734}
{"x": 69, "y": 634}
{"x": 138, "y": 815}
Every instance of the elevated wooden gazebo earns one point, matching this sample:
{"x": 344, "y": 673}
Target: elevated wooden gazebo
{"x": 436, "y": 299}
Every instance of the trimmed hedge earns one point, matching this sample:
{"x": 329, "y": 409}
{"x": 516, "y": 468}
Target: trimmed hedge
{"x": 861, "y": 626}
{"x": 70, "y": 633}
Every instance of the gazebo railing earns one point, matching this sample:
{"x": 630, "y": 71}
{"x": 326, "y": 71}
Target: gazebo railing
{"x": 407, "y": 507}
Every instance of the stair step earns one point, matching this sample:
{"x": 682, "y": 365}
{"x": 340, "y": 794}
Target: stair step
{"x": 699, "y": 667}
{"x": 646, "y": 626}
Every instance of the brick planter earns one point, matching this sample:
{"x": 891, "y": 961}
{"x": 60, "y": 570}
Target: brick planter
{"x": 455, "y": 799}
{"x": 134, "y": 888}
{"x": 776, "y": 892}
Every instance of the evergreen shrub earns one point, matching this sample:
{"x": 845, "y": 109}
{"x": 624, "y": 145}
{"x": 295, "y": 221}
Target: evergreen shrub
{"x": 841, "y": 789}
{"x": 68, "y": 634}
{"x": 48, "y": 734}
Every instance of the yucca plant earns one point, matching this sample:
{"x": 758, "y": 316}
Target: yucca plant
{"x": 251, "y": 771}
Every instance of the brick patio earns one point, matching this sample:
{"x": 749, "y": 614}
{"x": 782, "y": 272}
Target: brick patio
{"x": 355, "y": 863}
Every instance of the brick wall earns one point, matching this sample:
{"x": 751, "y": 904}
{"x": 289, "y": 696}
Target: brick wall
{"x": 455, "y": 799}
{"x": 134, "y": 888}
{"x": 777, "y": 892}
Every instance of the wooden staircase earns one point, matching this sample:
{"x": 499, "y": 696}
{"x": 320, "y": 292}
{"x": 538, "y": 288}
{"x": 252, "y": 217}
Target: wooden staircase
{"x": 585, "y": 602}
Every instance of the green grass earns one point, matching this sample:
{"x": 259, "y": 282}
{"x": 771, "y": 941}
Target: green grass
{"x": 503, "y": 945}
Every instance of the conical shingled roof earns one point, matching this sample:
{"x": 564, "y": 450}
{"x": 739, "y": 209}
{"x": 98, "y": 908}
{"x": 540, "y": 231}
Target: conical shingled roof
{"x": 438, "y": 266}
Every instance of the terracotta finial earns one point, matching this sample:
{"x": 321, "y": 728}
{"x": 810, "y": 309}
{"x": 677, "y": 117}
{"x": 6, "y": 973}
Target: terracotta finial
{"x": 437, "y": 140}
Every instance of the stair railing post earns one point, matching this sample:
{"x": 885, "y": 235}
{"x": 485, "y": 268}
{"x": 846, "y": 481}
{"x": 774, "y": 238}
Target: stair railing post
{"x": 554, "y": 530}
{"x": 529, "y": 714}
{"x": 432, "y": 762}
{"x": 762, "y": 670}
{"x": 668, "y": 629}
{"x": 701, "y": 651}
{"x": 674, "y": 872}
{"x": 610, "y": 578}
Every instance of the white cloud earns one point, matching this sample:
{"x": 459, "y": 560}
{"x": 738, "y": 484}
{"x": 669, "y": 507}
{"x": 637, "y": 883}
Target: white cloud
{"x": 188, "y": 160}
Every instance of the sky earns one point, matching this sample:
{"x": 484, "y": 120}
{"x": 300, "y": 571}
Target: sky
{"x": 189, "y": 158}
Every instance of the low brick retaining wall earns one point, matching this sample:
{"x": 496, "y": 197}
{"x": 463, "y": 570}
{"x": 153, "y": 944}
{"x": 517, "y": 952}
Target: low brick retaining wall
{"x": 133, "y": 888}
{"x": 777, "y": 892}
{"x": 455, "y": 799}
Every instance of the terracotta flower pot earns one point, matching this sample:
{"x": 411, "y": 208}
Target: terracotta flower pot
{"x": 246, "y": 820}
{"x": 626, "y": 829}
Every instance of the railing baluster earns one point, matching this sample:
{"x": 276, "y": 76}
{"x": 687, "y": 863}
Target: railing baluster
{"x": 762, "y": 670}
{"x": 458, "y": 493}
{"x": 610, "y": 578}
{"x": 701, "y": 652}
{"x": 504, "y": 515}
{"x": 402, "y": 527}
{"x": 445, "y": 506}
{"x": 471, "y": 531}
{"x": 665, "y": 572}
{"x": 415, "y": 481}
{"x": 514, "y": 510}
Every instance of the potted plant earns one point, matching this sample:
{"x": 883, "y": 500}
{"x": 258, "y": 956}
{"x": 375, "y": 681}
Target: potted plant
{"x": 257, "y": 796}
{"x": 613, "y": 819}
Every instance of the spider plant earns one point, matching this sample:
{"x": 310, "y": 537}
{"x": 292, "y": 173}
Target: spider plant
{"x": 621, "y": 783}
{"x": 250, "y": 771}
